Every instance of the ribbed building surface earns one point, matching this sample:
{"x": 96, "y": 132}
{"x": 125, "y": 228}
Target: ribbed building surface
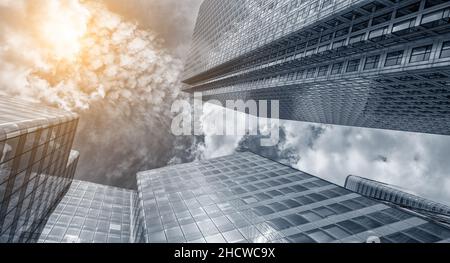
{"x": 36, "y": 165}
{"x": 367, "y": 63}
{"x": 395, "y": 195}
{"x": 93, "y": 213}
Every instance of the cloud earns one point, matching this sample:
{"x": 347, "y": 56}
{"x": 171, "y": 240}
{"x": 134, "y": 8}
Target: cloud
{"x": 80, "y": 56}
{"x": 172, "y": 20}
{"x": 218, "y": 145}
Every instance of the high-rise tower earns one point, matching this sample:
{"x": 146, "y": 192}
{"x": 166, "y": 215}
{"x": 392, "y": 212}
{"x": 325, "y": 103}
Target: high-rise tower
{"x": 398, "y": 196}
{"x": 36, "y": 166}
{"x": 367, "y": 63}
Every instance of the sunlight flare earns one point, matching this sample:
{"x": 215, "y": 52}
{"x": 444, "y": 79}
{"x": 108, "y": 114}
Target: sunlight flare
{"x": 63, "y": 27}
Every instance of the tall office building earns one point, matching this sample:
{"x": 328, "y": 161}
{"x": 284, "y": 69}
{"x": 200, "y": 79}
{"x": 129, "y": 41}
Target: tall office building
{"x": 92, "y": 213}
{"x": 368, "y": 63}
{"x": 396, "y": 195}
{"x": 36, "y": 166}
{"x": 247, "y": 198}
{"x": 39, "y": 200}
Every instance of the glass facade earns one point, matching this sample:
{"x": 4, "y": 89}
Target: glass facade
{"x": 226, "y": 30}
{"x": 445, "y": 53}
{"x": 392, "y": 194}
{"x": 394, "y": 56}
{"x": 36, "y": 165}
{"x": 421, "y": 53}
{"x": 92, "y": 213}
{"x": 394, "y": 59}
{"x": 248, "y": 198}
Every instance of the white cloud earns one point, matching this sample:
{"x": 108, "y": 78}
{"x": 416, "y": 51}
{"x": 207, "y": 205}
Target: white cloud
{"x": 216, "y": 146}
{"x": 172, "y": 20}
{"x": 410, "y": 160}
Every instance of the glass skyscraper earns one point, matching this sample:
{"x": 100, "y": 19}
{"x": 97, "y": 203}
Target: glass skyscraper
{"x": 401, "y": 197}
{"x": 93, "y": 213}
{"x": 40, "y": 201}
{"x": 247, "y": 198}
{"x": 367, "y": 63}
{"x": 36, "y": 166}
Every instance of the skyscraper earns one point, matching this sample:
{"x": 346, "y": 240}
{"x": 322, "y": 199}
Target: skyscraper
{"x": 93, "y": 213}
{"x": 247, "y": 198}
{"x": 36, "y": 166}
{"x": 367, "y": 63}
{"x": 396, "y": 195}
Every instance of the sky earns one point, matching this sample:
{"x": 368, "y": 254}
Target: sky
{"x": 125, "y": 115}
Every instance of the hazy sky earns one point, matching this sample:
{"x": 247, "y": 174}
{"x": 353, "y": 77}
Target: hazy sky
{"x": 172, "y": 20}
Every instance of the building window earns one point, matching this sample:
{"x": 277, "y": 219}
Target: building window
{"x": 323, "y": 48}
{"x": 431, "y": 3}
{"x": 338, "y": 44}
{"x": 381, "y": 19}
{"x": 421, "y": 53}
{"x": 445, "y": 53}
{"x": 326, "y": 37}
{"x": 357, "y": 38}
{"x": 360, "y": 26}
{"x": 311, "y": 73}
{"x": 378, "y": 32}
{"x": 323, "y": 71}
{"x": 408, "y": 10}
{"x": 353, "y": 65}
{"x": 372, "y": 62}
{"x": 337, "y": 68}
{"x": 404, "y": 25}
{"x": 394, "y": 58}
{"x": 342, "y": 32}
{"x": 310, "y": 52}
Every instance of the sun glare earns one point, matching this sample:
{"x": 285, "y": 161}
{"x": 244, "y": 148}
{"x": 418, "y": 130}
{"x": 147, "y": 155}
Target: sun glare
{"x": 63, "y": 28}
